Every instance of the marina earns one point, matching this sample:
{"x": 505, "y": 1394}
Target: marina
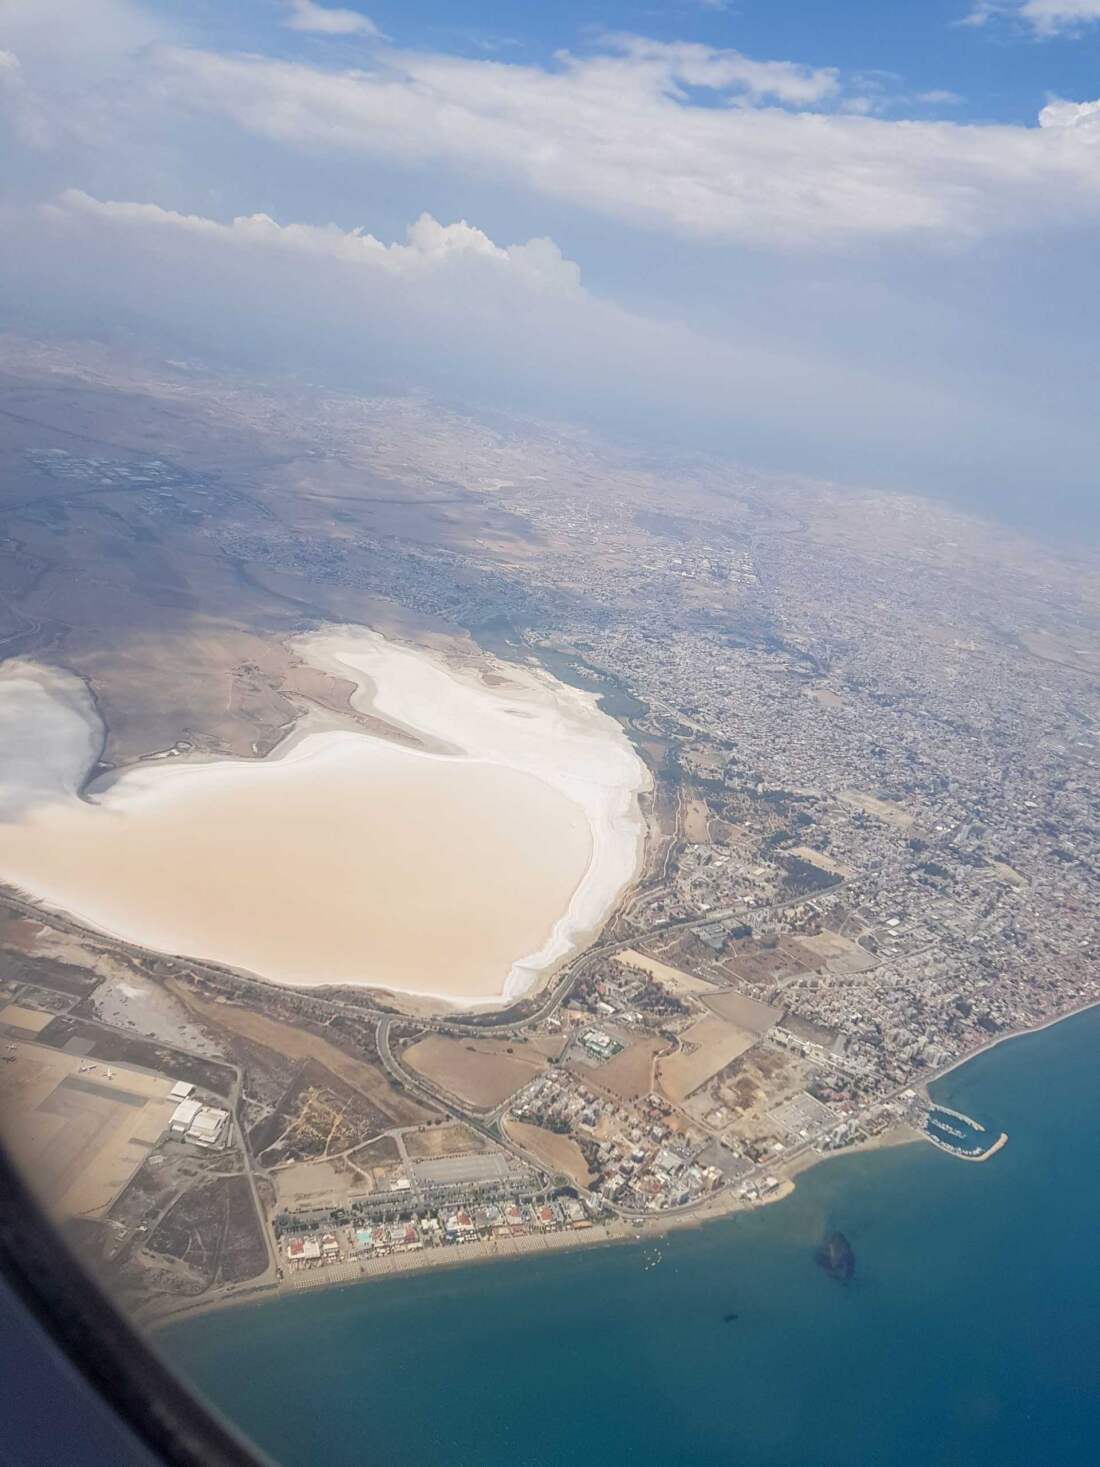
{"x": 960, "y": 1135}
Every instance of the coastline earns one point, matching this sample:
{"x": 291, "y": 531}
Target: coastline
{"x": 1005, "y": 1038}
{"x": 970, "y": 1316}
{"x": 353, "y": 1273}
{"x": 471, "y": 1254}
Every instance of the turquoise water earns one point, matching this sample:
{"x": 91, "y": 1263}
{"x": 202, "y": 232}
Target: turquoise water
{"x": 969, "y": 1335}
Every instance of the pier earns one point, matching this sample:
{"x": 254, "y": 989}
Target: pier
{"x": 937, "y": 1128}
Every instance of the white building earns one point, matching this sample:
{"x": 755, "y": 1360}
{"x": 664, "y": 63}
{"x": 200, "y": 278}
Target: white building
{"x": 208, "y": 1126}
{"x": 183, "y": 1116}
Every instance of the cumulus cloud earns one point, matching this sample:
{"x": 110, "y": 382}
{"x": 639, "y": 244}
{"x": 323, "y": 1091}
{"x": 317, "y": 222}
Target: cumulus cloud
{"x": 447, "y": 305}
{"x": 1059, "y": 113}
{"x": 618, "y": 132}
{"x": 444, "y": 308}
{"x": 429, "y": 245}
{"x": 305, "y": 15}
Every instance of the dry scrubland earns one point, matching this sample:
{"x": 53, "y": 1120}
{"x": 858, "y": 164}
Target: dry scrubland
{"x": 443, "y": 1141}
{"x": 629, "y": 1074}
{"x": 707, "y": 1047}
{"x": 480, "y": 1072}
{"x": 394, "y": 1107}
{"x": 559, "y": 1153}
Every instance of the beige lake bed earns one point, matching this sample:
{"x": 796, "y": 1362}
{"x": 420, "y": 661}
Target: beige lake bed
{"x": 465, "y": 868}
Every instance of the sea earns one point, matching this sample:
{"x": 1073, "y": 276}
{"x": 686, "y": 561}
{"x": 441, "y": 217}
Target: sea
{"x": 969, "y": 1333}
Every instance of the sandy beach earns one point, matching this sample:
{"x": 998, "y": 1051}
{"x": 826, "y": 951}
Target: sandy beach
{"x": 159, "y": 1313}
{"x": 464, "y": 867}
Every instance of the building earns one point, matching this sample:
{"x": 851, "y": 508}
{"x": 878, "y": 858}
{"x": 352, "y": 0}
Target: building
{"x": 183, "y": 1117}
{"x": 180, "y": 1090}
{"x": 303, "y": 1250}
{"x": 208, "y": 1126}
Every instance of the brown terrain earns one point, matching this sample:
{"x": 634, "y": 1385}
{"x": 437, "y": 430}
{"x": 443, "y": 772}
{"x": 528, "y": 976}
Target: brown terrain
{"x": 442, "y": 1141}
{"x": 629, "y": 1074}
{"x": 559, "y": 1153}
{"x": 129, "y": 518}
{"x": 481, "y": 1072}
{"x": 382, "y": 1104}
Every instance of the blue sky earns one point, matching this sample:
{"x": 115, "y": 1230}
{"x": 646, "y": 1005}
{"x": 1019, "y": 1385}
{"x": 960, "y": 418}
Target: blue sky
{"x": 1002, "y": 70}
{"x": 850, "y": 240}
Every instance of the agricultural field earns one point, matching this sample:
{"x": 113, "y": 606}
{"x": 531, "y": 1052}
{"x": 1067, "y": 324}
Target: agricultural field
{"x": 695, "y": 820}
{"x": 763, "y": 963}
{"x": 744, "y": 1012}
{"x": 81, "y": 1132}
{"x": 837, "y": 954}
{"x": 285, "y": 1043}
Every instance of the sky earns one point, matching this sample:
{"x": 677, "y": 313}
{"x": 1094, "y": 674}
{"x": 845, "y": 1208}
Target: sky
{"x": 855, "y": 240}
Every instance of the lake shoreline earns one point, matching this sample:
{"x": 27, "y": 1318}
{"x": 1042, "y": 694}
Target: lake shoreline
{"x": 528, "y": 749}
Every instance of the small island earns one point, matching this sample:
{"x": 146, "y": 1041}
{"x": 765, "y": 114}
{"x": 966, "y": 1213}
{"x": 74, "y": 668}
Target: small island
{"x": 836, "y": 1257}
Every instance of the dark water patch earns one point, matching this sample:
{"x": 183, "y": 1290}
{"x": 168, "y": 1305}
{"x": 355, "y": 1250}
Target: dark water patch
{"x": 501, "y": 638}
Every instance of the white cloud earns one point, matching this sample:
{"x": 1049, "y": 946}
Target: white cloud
{"x": 670, "y": 63}
{"x": 1058, "y": 113}
{"x": 445, "y": 309}
{"x": 1050, "y": 16}
{"x": 307, "y": 16}
{"x": 981, "y": 13}
{"x": 77, "y": 31}
{"x": 537, "y": 265}
{"x": 1045, "y": 17}
{"x": 620, "y": 133}
{"x": 858, "y": 362}
{"x": 75, "y": 71}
